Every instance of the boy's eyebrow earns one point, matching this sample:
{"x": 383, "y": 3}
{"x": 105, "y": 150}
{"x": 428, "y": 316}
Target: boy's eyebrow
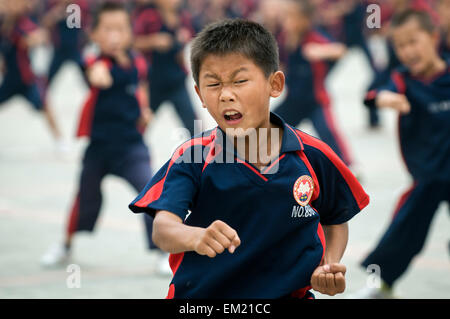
{"x": 238, "y": 70}
{"x": 216, "y": 77}
{"x": 211, "y": 75}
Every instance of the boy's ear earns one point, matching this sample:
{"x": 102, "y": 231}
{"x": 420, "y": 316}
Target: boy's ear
{"x": 197, "y": 90}
{"x": 277, "y": 81}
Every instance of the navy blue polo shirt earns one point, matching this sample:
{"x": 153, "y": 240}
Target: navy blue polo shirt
{"x": 277, "y": 213}
{"x": 424, "y": 132}
{"x": 111, "y": 115}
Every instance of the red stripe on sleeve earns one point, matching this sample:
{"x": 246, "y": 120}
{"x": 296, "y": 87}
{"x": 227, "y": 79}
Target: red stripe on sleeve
{"x": 362, "y": 199}
{"x": 141, "y": 66}
{"x": 156, "y": 190}
{"x": 399, "y": 82}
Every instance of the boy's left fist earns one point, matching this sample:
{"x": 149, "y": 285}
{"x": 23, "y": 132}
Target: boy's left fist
{"x": 329, "y": 279}
{"x": 99, "y": 75}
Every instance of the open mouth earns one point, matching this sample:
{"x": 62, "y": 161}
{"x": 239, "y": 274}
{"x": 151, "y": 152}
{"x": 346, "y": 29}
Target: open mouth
{"x": 232, "y": 117}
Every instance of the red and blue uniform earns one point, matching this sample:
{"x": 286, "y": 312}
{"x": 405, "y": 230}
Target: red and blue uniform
{"x": 166, "y": 74}
{"x": 282, "y": 241}
{"x": 307, "y": 97}
{"x": 109, "y": 118}
{"x": 19, "y": 78}
{"x": 425, "y": 144}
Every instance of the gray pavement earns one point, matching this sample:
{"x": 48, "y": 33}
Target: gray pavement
{"x": 37, "y": 187}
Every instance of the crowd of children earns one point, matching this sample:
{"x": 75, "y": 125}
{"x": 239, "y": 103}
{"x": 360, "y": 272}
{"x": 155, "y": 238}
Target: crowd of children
{"x": 139, "y": 64}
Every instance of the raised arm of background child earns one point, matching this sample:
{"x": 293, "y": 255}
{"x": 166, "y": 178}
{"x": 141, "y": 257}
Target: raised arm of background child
{"x": 172, "y": 235}
{"x": 393, "y": 100}
{"x": 324, "y": 51}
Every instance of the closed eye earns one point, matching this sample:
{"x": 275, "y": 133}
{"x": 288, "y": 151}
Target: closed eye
{"x": 212, "y": 85}
{"x": 240, "y": 82}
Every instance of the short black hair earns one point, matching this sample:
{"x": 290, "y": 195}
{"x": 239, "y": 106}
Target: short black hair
{"x": 421, "y": 16}
{"x": 106, "y": 6}
{"x": 236, "y": 36}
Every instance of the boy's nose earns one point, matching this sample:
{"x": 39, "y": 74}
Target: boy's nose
{"x": 226, "y": 95}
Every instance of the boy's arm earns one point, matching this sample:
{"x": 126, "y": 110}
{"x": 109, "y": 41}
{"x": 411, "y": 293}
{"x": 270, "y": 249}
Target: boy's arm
{"x": 146, "y": 112}
{"x": 37, "y": 37}
{"x": 99, "y": 76}
{"x": 54, "y": 15}
{"x": 393, "y": 100}
{"x": 329, "y": 278}
{"x": 324, "y": 51}
{"x": 390, "y": 95}
{"x": 161, "y": 41}
{"x": 172, "y": 235}
{"x": 336, "y": 238}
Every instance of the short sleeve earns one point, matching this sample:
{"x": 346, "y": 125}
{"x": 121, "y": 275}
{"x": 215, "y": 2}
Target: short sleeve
{"x": 173, "y": 189}
{"x": 341, "y": 196}
{"x": 141, "y": 66}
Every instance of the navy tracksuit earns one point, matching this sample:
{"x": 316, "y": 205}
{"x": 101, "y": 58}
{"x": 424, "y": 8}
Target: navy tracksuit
{"x": 109, "y": 119}
{"x": 425, "y": 144}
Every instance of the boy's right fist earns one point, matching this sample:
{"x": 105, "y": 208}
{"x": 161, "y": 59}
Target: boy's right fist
{"x": 393, "y": 100}
{"x": 216, "y": 238}
{"x": 99, "y": 75}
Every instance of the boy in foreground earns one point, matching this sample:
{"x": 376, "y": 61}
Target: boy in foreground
{"x": 240, "y": 207}
{"x": 420, "y": 92}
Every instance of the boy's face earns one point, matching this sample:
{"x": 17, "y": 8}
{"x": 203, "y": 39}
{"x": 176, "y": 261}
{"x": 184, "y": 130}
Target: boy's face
{"x": 113, "y": 32}
{"x": 236, "y": 91}
{"x": 295, "y": 22}
{"x": 415, "y": 47}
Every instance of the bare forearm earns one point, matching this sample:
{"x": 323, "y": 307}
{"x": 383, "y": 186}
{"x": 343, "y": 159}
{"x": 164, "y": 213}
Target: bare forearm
{"x": 336, "y": 237}
{"x": 335, "y": 51}
{"x": 171, "y": 235}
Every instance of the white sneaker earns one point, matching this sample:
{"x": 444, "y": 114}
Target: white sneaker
{"x": 163, "y": 267}
{"x": 56, "y": 255}
{"x": 372, "y": 293}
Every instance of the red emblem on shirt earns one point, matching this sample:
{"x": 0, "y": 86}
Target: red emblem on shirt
{"x": 303, "y": 190}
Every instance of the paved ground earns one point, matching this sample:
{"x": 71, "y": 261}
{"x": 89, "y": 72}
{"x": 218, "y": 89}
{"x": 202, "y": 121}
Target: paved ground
{"x": 37, "y": 188}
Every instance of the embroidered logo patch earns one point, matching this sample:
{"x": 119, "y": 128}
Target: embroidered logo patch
{"x": 303, "y": 190}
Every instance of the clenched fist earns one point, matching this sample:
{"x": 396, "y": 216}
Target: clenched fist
{"x": 215, "y": 239}
{"x": 393, "y": 100}
{"x": 329, "y": 279}
{"x": 99, "y": 75}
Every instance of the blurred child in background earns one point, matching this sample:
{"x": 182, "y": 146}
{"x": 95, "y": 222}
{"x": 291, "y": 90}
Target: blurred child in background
{"x": 114, "y": 117}
{"x": 67, "y": 41}
{"x": 420, "y": 92}
{"x": 308, "y": 52}
{"x": 17, "y": 35}
{"x": 162, "y": 32}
